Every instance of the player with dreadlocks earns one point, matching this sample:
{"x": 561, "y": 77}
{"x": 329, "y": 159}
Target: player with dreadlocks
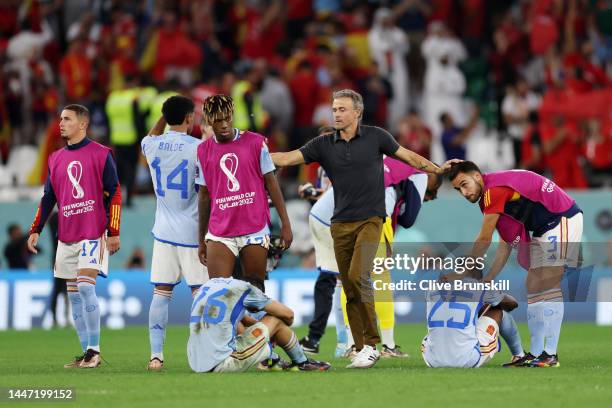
{"x": 235, "y": 171}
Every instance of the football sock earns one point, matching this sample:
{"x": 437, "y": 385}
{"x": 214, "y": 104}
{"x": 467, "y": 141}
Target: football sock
{"x": 387, "y": 338}
{"x": 553, "y": 317}
{"x": 158, "y": 320}
{"x": 341, "y": 334}
{"x": 87, "y": 290}
{"x": 77, "y": 313}
{"x": 294, "y": 350}
{"x": 386, "y": 318}
{"x": 535, "y": 323}
{"x": 349, "y": 333}
{"x": 509, "y": 332}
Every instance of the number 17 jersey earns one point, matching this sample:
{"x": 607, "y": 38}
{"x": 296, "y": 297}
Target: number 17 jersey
{"x": 172, "y": 162}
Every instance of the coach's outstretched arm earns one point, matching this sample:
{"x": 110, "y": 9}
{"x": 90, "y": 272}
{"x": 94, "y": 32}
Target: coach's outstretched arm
{"x": 419, "y": 162}
{"x": 203, "y": 218}
{"x": 292, "y": 158}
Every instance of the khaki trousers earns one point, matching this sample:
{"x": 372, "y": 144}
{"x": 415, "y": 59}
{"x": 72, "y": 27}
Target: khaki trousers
{"x": 355, "y": 245}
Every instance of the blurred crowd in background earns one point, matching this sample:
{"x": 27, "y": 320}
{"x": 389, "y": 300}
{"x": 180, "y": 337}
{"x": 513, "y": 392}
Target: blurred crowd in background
{"x": 508, "y": 83}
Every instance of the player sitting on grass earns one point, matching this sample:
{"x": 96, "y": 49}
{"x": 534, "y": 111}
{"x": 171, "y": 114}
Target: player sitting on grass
{"x": 463, "y": 326}
{"x": 219, "y": 341}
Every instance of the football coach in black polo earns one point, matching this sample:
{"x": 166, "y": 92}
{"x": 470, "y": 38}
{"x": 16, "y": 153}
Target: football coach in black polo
{"x": 352, "y": 157}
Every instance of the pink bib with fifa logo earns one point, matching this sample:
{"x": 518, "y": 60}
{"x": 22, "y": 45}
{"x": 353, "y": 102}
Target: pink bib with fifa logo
{"x": 533, "y": 187}
{"x": 76, "y": 177}
{"x": 238, "y": 199}
{"x": 396, "y": 171}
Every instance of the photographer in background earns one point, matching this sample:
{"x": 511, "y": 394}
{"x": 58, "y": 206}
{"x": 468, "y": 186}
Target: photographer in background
{"x": 16, "y": 250}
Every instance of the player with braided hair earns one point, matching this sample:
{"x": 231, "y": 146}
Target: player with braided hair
{"x": 235, "y": 172}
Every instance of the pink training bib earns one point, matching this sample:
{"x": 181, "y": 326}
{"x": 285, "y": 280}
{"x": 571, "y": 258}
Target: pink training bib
{"x": 238, "y": 199}
{"x": 76, "y": 177}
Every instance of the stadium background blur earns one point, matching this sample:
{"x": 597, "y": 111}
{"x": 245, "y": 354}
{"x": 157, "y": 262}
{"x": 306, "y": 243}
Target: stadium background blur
{"x": 522, "y": 84}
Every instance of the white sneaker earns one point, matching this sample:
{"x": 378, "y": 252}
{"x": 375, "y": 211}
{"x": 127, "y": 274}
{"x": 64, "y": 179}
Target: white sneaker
{"x": 366, "y": 358}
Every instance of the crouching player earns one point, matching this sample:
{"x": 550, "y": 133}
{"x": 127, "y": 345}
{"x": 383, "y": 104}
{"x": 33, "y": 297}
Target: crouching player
{"x": 457, "y": 336}
{"x": 219, "y": 342}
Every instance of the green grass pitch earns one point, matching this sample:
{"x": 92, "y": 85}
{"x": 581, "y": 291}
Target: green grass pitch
{"x": 35, "y": 359}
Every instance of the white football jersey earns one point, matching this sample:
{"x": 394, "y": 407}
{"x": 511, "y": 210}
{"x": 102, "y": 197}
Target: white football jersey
{"x": 451, "y": 339}
{"x": 217, "y": 308}
{"x": 172, "y": 162}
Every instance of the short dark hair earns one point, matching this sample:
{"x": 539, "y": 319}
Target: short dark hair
{"x": 12, "y": 228}
{"x": 81, "y": 111}
{"x": 443, "y": 116}
{"x": 176, "y": 108}
{"x": 462, "y": 167}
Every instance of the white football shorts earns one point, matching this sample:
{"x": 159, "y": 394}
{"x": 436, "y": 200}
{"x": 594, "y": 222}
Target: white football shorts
{"x": 170, "y": 263}
{"x": 323, "y": 246}
{"x": 235, "y": 244}
{"x": 86, "y": 254}
{"x": 558, "y": 246}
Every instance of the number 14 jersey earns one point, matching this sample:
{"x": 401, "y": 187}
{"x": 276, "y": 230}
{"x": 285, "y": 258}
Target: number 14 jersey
{"x": 172, "y": 162}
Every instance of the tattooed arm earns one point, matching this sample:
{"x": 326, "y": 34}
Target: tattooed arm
{"x": 420, "y": 163}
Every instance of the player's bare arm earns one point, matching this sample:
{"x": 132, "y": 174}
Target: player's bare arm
{"x": 501, "y": 257}
{"x": 159, "y": 127}
{"x": 508, "y": 303}
{"x": 203, "y": 218}
{"x": 277, "y": 199}
{"x": 484, "y": 238}
{"x": 419, "y": 162}
{"x": 280, "y": 311}
{"x": 292, "y": 158}
{"x": 248, "y": 321}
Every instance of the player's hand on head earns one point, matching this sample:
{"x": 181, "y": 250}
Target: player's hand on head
{"x": 32, "y": 242}
{"x": 113, "y": 244}
{"x": 202, "y": 253}
{"x": 286, "y": 236}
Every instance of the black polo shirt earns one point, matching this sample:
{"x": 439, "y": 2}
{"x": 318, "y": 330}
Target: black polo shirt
{"x": 355, "y": 169}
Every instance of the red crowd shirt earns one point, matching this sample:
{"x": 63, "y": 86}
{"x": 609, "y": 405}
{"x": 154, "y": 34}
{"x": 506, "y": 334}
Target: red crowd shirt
{"x": 76, "y": 71}
{"x": 563, "y": 161}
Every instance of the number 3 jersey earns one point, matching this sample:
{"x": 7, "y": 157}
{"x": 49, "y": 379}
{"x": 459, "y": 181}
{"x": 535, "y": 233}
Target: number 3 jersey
{"x": 452, "y": 339}
{"x": 217, "y": 308}
{"x": 172, "y": 162}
